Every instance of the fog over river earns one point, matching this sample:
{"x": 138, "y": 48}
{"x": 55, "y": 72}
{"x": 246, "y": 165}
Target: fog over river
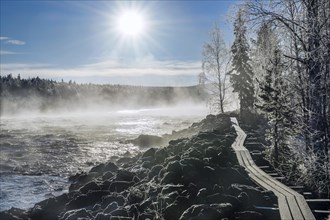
{"x": 39, "y": 152}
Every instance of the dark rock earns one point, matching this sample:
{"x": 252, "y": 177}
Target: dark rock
{"x": 211, "y": 152}
{"x": 171, "y": 177}
{"x": 149, "y": 153}
{"x": 207, "y": 212}
{"x": 217, "y": 189}
{"x": 219, "y": 198}
{"x": 124, "y": 175}
{"x": 161, "y": 155}
{"x": 192, "y": 163}
{"x": 147, "y": 164}
{"x": 83, "y": 179}
{"x": 174, "y": 211}
{"x": 110, "y": 167}
{"x": 193, "y": 152}
{"x": 14, "y": 214}
{"x": 78, "y": 214}
{"x": 244, "y": 198}
{"x": 174, "y": 166}
{"x": 148, "y": 141}
{"x": 146, "y": 216}
{"x": 119, "y": 186}
{"x": 171, "y": 188}
{"x": 172, "y": 158}
{"x": 89, "y": 187}
{"x": 85, "y": 200}
{"x": 97, "y": 169}
{"x": 144, "y": 204}
{"x": 96, "y": 207}
{"x": 102, "y": 216}
{"x": 248, "y": 215}
{"x": 228, "y": 176}
{"x": 155, "y": 171}
{"x": 126, "y": 160}
{"x": 120, "y": 218}
{"x": 135, "y": 196}
{"x": 120, "y": 212}
{"x": 255, "y": 196}
{"x": 111, "y": 207}
{"x": 8, "y": 216}
{"x": 49, "y": 208}
{"x": 119, "y": 199}
{"x": 105, "y": 184}
{"x": 108, "y": 175}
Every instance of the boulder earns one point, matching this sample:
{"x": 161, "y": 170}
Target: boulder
{"x": 85, "y": 200}
{"x": 161, "y": 155}
{"x": 154, "y": 171}
{"x": 120, "y": 212}
{"x": 102, "y": 216}
{"x": 77, "y": 214}
{"x": 124, "y": 175}
{"x": 135, "y": 196}
{"x": 107, "y": 200}
{"x": 49, "y": 208}
{"x": 144, "y": 140}
{"x": 208, "y": 212}
{"x": 248, "y": 215}
{"x": 89, "y": 187}
{"x": 111, "y": 207}
{"x": 149, "y": 153}
{"x": 119, "y": 186}
{"x": 171, "y": 178}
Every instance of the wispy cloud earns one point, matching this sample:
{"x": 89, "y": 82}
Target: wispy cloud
{"x": 12, "y": 41}
{"x": 6, "y": 52}
{"x": 4, "y": 38}
{"x": 15, "y": 42}
{"x": 106, "y": 69}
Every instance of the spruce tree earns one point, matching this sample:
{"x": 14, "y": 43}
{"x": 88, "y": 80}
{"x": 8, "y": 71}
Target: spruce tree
{"x": 242, "y": 74}
{"x": 276, "y": 107}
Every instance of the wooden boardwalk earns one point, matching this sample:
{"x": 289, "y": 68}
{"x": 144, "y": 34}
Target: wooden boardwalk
{"x": 291, "y": 204}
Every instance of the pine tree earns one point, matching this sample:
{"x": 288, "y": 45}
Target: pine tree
{"x": 242, "y": 74}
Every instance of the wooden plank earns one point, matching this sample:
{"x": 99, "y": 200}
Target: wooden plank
{"x": 317, "y": 200}
{"x": 322, "y": 211}
{"x": 292, "y": 205}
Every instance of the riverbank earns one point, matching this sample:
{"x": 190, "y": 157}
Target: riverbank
{"x": 197, "y": 177}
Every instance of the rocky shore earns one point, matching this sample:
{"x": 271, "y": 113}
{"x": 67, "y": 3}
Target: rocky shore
{"x": 195, "y": 178}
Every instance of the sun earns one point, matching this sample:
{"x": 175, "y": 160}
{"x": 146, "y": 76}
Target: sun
{"x": 131, "y": 23}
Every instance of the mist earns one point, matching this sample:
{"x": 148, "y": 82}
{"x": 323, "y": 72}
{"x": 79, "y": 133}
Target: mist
{"x": 52, "y": 130}
{"x": 39, "y": 96}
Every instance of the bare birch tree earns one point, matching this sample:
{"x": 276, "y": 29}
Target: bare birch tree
{"x": 216, "y": 61}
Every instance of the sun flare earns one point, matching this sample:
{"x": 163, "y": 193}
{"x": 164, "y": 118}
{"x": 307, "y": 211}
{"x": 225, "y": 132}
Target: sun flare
{"x": 131, "y": 23}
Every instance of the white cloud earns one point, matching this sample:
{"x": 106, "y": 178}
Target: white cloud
{"x": 9, "y": 40}
{"x": 107, "y": 69}
{"x": 15, "y": 42}
{"x": 6, "y": 52}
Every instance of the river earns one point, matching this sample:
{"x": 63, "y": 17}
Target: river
{"x": 39, "y": 152}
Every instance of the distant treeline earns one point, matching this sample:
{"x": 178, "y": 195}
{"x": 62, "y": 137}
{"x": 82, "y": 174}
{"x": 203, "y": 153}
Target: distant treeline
{"x": 18, "y": 95}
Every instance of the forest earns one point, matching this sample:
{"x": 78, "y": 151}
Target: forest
{"x": 43, "y": 95}
{"x": 279, "y": 65}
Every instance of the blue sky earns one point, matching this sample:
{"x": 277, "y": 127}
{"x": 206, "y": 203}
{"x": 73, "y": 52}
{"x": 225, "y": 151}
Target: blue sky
{"x": 78, "y": 40}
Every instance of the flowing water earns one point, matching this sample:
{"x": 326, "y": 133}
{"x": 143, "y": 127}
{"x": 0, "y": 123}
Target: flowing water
{"x": 38, "y": 153}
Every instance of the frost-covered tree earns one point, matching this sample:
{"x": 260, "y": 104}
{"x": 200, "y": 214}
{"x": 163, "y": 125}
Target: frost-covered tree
{"x": 216, "y": 61}
{"x": 242, "y": 74}
{"x": 262, "y": 52}
{"x": 275, "y": 105}
{"x": 305, "y": 29}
